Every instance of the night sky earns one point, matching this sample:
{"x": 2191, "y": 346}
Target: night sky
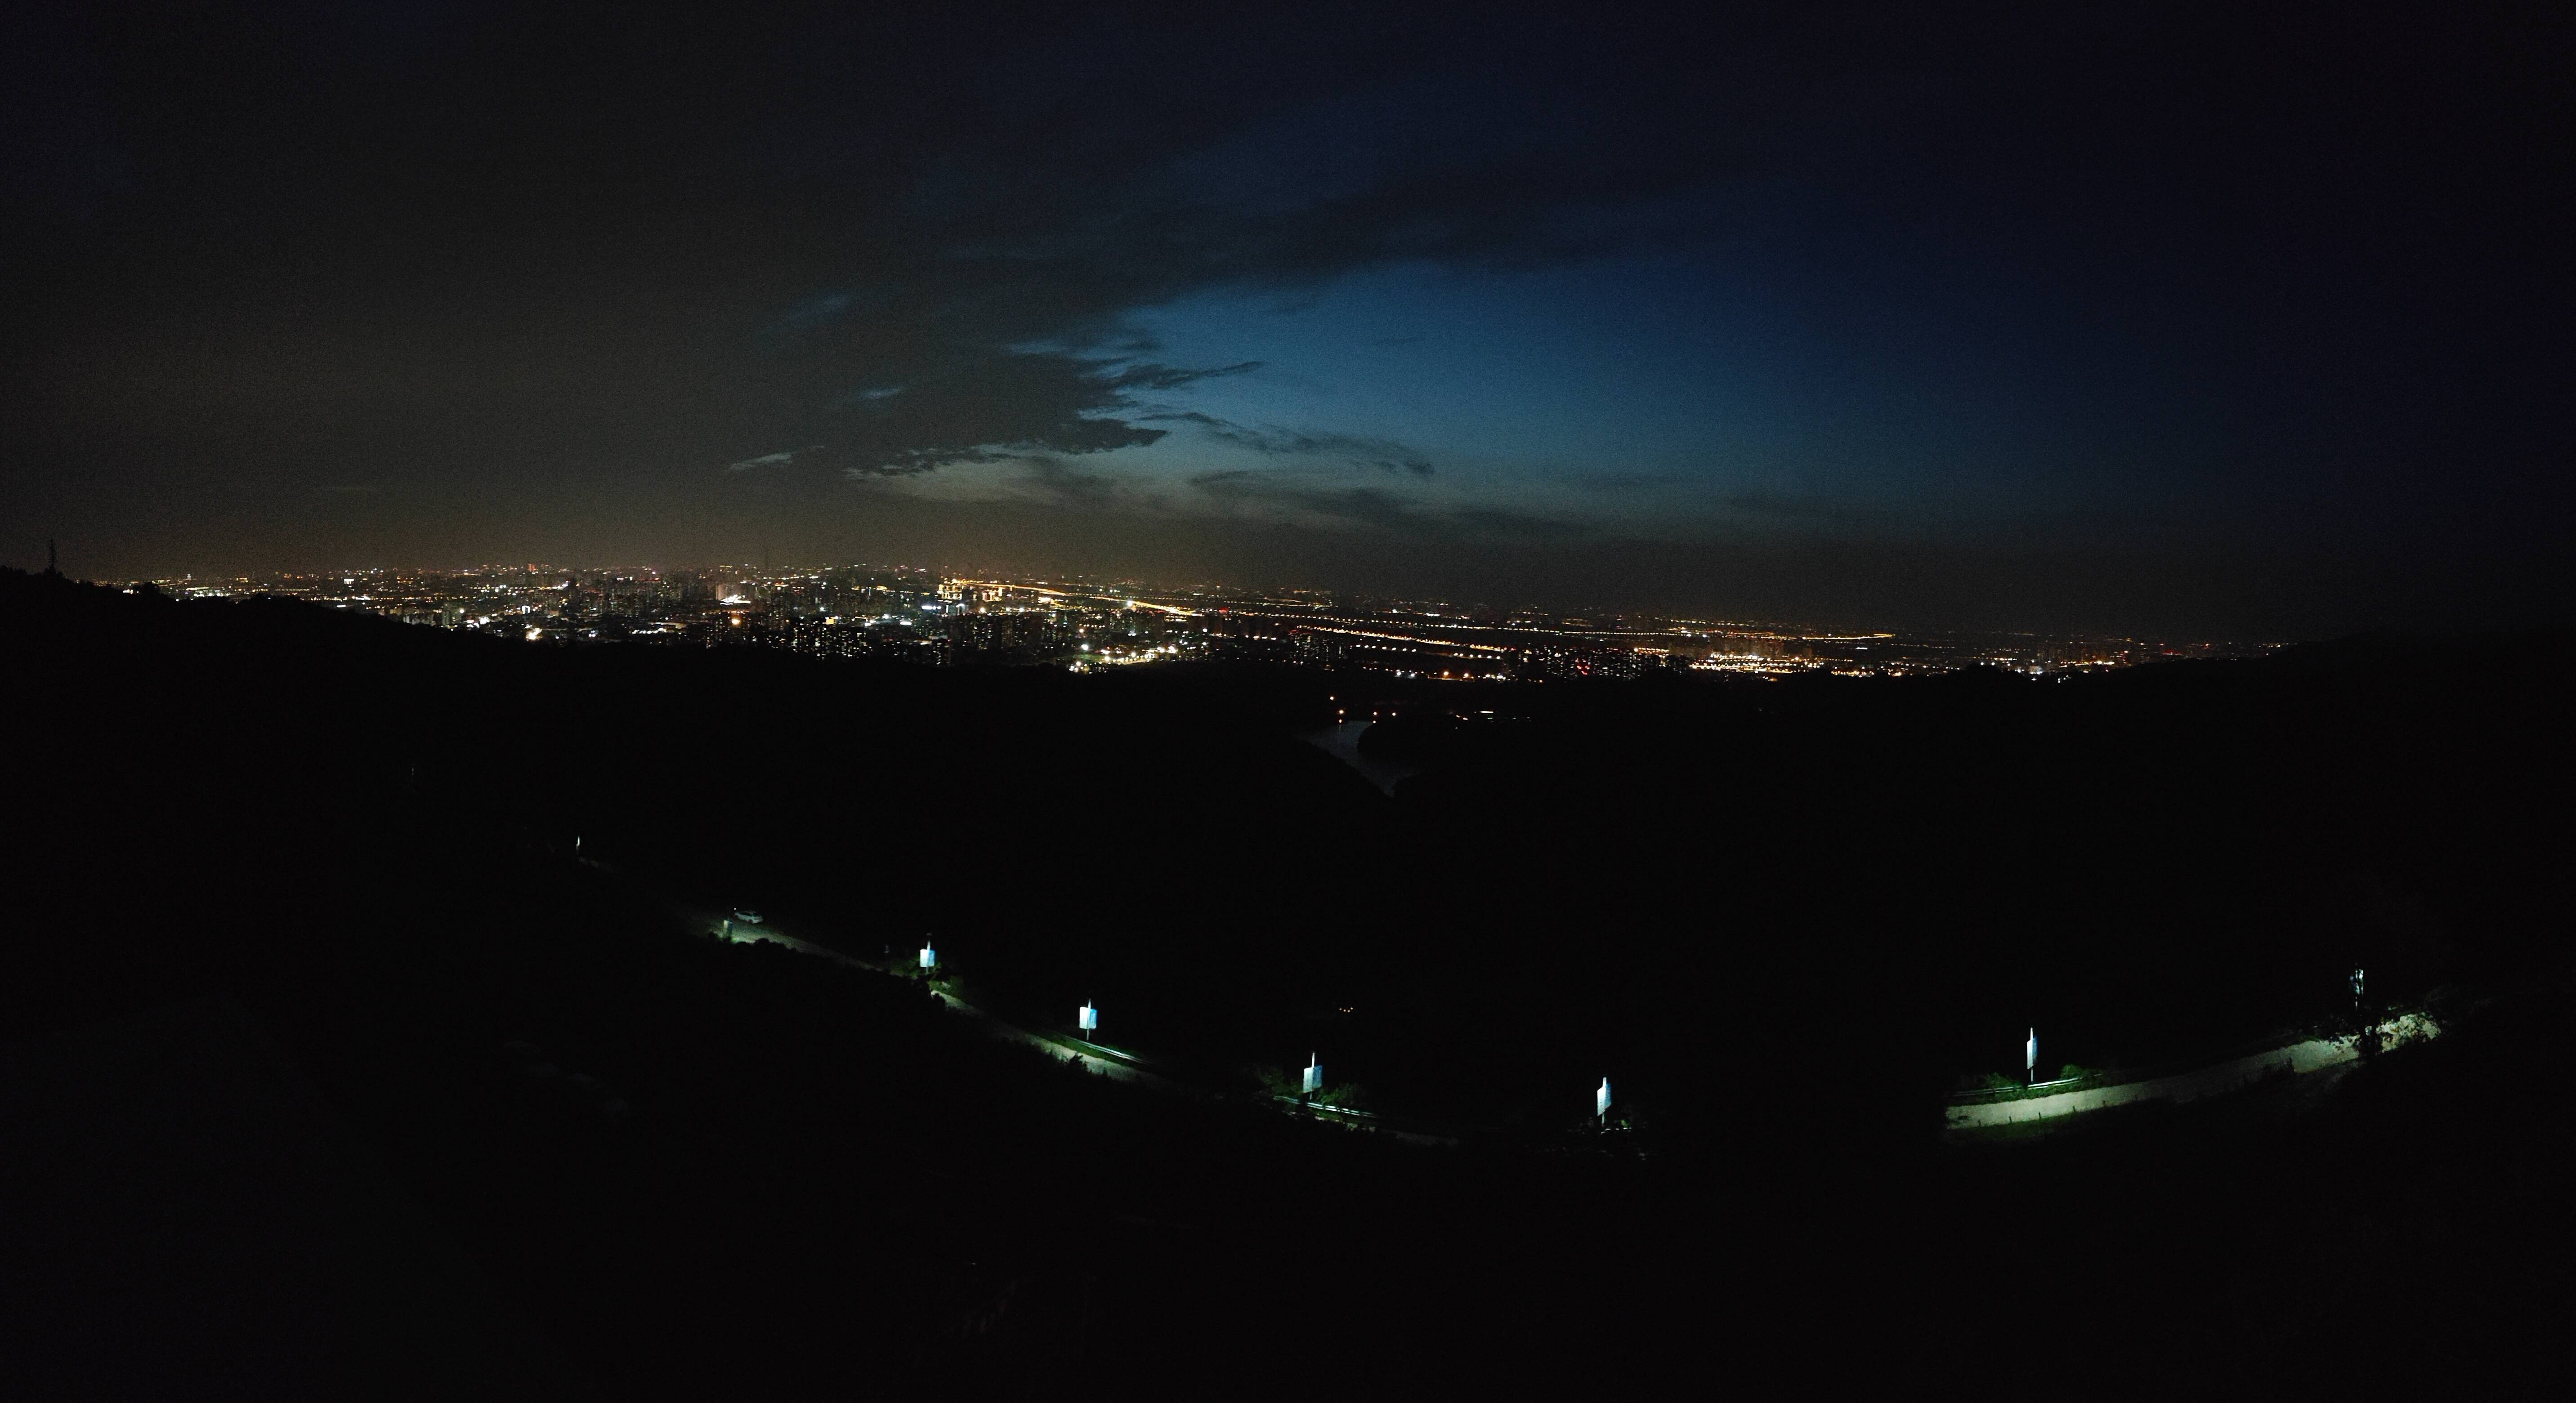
{"x": 2217, "y": 319}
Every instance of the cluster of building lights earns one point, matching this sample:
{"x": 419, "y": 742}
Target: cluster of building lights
{"x": 908, "y": 613}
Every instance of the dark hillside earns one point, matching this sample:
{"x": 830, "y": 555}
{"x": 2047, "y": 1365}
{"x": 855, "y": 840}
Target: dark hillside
{"x": 1061, "y": 834}
{"x": 1782, "y": 916}
{"x": 1888, "y": 880}
{"x": 690, "y": 1167}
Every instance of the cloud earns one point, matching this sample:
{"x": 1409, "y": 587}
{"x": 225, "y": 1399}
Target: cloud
{"x": 779, "y": 459}
{"x": 1366, "y": 506}
{"x": 927, "y": 211}
{"x": 1378, "y": 509}
{"x": 1356, "y": 449}
{"x": 1054, "y": 478}
{"x": 1164, "y": 377}
{"x": 996, "y": 405}
{"x": 1050, "y": 220}
{"x": 817, "y": 311}
{"x": 988, "y": 404}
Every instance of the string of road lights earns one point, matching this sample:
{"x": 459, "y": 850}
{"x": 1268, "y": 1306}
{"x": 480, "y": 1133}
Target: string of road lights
{"x": 1086, "y": 1019}
{"x": 1311, "y": 1077}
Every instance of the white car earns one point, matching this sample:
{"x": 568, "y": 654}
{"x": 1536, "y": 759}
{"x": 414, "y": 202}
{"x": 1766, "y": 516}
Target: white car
{"x": 749, "y": 918}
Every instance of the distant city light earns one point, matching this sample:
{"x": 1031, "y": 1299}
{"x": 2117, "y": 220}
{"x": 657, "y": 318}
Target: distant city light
{"x": 833, "y": 612}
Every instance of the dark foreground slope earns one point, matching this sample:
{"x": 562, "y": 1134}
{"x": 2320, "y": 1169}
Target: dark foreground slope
{"x": 632, "y": 1154}
{"x": 1882, "y": 884}
{"x": 674, "y": 1165}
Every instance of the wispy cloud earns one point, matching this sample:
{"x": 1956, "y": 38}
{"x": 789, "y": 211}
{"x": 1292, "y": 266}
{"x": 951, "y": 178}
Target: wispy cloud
{"x": 1379, "y": 509}
{"x": 779, "y": 459}
{"x": 1356, "y": 449}
{"x": 993, "y": 406}
{"x": 1066, "y": 484}
{"x": 1164, "y": 377}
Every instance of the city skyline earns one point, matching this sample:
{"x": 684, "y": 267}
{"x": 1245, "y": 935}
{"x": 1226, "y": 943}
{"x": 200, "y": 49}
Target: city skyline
{"x": 903, "y": 613}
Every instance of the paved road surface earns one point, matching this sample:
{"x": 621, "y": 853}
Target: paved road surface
{"x": 2309, "y": 1056}
{"x": 1106, "y": 1064}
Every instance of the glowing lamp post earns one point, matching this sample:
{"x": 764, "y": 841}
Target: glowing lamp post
{"x": 2030, "y": 1060}
{"x": 1313, "y": 1080}
{"x": 1601, "y": 1101}
{"x": 1087, "y": 1019}
{"x": 929, "y": 958}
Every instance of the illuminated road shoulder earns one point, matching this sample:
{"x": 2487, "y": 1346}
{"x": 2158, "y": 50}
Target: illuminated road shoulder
{"x": 2315, "y": 1054}
{"x": 1116, "y": 1066}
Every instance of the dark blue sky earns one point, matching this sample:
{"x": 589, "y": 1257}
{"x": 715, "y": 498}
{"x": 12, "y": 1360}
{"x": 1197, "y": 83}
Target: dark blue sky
{"x": 2204, "y": 318}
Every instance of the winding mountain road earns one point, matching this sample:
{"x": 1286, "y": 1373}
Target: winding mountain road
{"x": 2315, "y": 1054}
{"x": 1107, "y": 1063}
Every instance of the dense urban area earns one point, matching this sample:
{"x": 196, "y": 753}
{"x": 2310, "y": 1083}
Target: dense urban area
{"x": 908, "y": 614}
